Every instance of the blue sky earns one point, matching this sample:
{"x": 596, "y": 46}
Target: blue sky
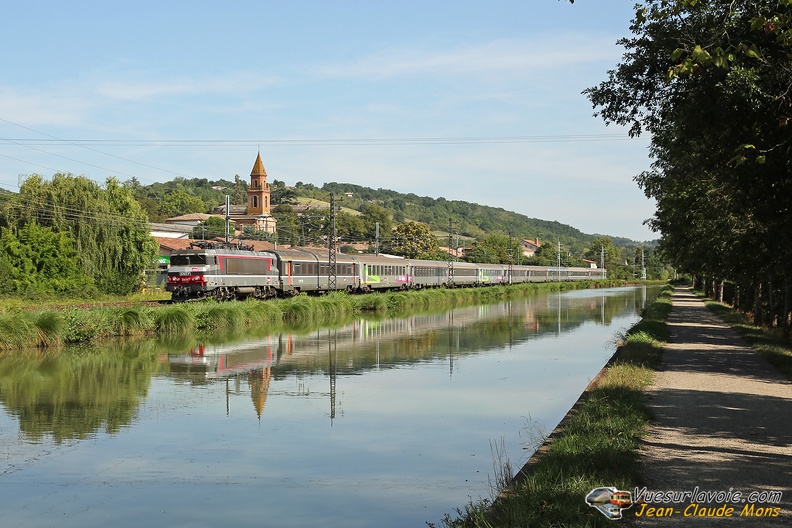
{"x": 473, "y": 101}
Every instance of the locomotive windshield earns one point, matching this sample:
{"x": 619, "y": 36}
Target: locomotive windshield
{"x": 188, "y": 260}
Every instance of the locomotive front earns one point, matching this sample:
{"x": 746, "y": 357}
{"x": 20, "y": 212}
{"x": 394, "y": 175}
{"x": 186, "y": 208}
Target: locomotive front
{"x": 187, "y": 274}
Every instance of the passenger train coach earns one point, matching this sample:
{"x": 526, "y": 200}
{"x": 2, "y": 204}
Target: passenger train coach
{"x": 224, "y": 274}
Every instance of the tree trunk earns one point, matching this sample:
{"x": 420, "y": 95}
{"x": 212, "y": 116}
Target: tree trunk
{"x": 771, "y": 308}
{"x": 757, "y": 308}
{"x": 786, "y": 309}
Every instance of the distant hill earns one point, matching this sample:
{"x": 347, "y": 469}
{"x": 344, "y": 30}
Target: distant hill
{"x": 468, "y": 219}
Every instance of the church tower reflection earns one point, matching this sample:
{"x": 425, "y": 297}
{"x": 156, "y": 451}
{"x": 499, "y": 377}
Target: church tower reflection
{"x": 259, "y": 381}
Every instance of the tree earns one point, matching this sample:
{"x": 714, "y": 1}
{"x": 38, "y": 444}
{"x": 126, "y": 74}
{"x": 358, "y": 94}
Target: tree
{"x": 709, "y": 81}
{"x": 604, "y": 245}
{"x": 240, "y": 191}
{"x": 180, "y": 203}
{"x": 496, "y": 249}
{"x": 413, "y": 240}
{"x": 350, "y": 227}
{"x": 373, "y": 214}
{"x": 110, "y": 231}
{"x": 288, "y": 232}
{"x": 41, "y": 261}
{"x": 212, "y": 227}
{"x": 280, "y": 194}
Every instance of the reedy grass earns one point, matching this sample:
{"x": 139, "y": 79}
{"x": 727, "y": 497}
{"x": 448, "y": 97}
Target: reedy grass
{"x": 16, "y": 329}
{"x": 175, "y": 319}
{"x": 60, "y": 325}
{"x": 49, "y": 327}
{"x": 596, "y": 445}
{"x": 220, "y": 316}
{"x": 133, "y": 321}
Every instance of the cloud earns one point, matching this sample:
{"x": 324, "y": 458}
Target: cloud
{"x": 516, "y": 57}
{"x": 137, "y": 87}
{"x": 42, "y": 106}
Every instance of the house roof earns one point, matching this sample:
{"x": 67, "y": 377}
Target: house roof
{"x": 191, "y": 217}
{"x": 534, "y": 243}
{"x": 173, "y": 244}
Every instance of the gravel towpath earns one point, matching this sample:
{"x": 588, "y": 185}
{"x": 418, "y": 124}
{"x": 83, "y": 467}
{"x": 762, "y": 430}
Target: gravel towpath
{"x": 722, "y": 421}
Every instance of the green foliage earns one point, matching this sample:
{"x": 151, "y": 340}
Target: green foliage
{"x": 180, "y": 203}
{"x": 181, "y": 196}
{"x": 212, "y": 227}
{"x": 710, "y": 82}
{"x": 73, "y": 394}
{"x": 469, "y": 219}
{"x": 350, "y": 227}
{"x": 281, "y": 194}
{"x": 288, "y": 230}
{"x": 40, "y": 261}
{"x": 373, "y": 214}
{"x": 100, "y": 229}
{"x": 412, "y": 240}
{"x": 496, "y": 249}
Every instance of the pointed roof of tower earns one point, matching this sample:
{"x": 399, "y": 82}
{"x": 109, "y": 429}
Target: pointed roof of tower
{"x": 258, "y": 167}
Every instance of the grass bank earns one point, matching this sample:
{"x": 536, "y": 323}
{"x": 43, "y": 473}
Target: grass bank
{"x": 47, "y": 326}
{"x": 596, "y": 445}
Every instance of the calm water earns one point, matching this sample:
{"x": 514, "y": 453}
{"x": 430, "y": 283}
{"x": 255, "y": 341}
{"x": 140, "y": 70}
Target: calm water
{"x": 388, "y": 423}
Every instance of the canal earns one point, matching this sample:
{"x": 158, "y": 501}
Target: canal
{"x": 387, "y": 423}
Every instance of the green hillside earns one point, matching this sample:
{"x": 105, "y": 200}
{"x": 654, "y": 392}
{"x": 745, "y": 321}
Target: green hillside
{"x": 469, "y": 220}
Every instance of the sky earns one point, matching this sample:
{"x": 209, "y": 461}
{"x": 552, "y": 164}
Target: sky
{"x": 473, "y": 101}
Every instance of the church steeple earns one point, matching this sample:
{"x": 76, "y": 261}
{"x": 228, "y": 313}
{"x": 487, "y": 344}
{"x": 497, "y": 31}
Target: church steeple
{"x": 259, "y": 189}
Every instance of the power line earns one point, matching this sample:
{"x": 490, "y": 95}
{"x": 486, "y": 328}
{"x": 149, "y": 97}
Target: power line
{"x": 53, "y": 140}
{"x": 317, "y": 142}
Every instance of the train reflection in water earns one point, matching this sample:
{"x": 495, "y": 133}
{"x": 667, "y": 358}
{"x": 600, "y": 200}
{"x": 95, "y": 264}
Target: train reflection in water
{"x": 371, "y": 345}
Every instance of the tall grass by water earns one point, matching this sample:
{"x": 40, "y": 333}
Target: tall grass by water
{"x": 53, "y": 326}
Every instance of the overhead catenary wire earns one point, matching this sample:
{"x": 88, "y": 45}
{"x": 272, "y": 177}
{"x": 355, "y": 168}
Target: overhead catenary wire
{"x": 449, "y": 140}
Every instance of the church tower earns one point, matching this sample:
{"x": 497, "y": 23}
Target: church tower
{"x": 259, "y": 190}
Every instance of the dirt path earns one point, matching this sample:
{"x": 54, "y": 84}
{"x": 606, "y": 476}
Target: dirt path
{"x": 723, "y": 421}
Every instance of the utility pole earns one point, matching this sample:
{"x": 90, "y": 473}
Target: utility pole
{"x": 450, "y": 260}
{"x": 376, "y": 238}
{"x": 643, "y": 266}
{"x": 511, "y": 258}
{"x": 558, "y": 261}
{"x": 227, "y": 217}
{"x": 331, "y": 259}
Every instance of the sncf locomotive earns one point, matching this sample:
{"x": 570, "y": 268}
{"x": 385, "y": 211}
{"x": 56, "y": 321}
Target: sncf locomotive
{"x": 211, "y": 271}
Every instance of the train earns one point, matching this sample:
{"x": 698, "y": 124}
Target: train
{"x": 227, "y": 272}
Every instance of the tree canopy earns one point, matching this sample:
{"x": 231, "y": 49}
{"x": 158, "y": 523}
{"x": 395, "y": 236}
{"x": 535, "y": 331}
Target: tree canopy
{"x": 413, "y": 240}
{"x": 109, "y": 230}
{"x": 710, "y": 82}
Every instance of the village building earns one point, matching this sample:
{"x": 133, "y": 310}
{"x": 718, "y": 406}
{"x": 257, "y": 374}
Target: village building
{"x": 530, "y": 247}
{"x": 257, "y": 213}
